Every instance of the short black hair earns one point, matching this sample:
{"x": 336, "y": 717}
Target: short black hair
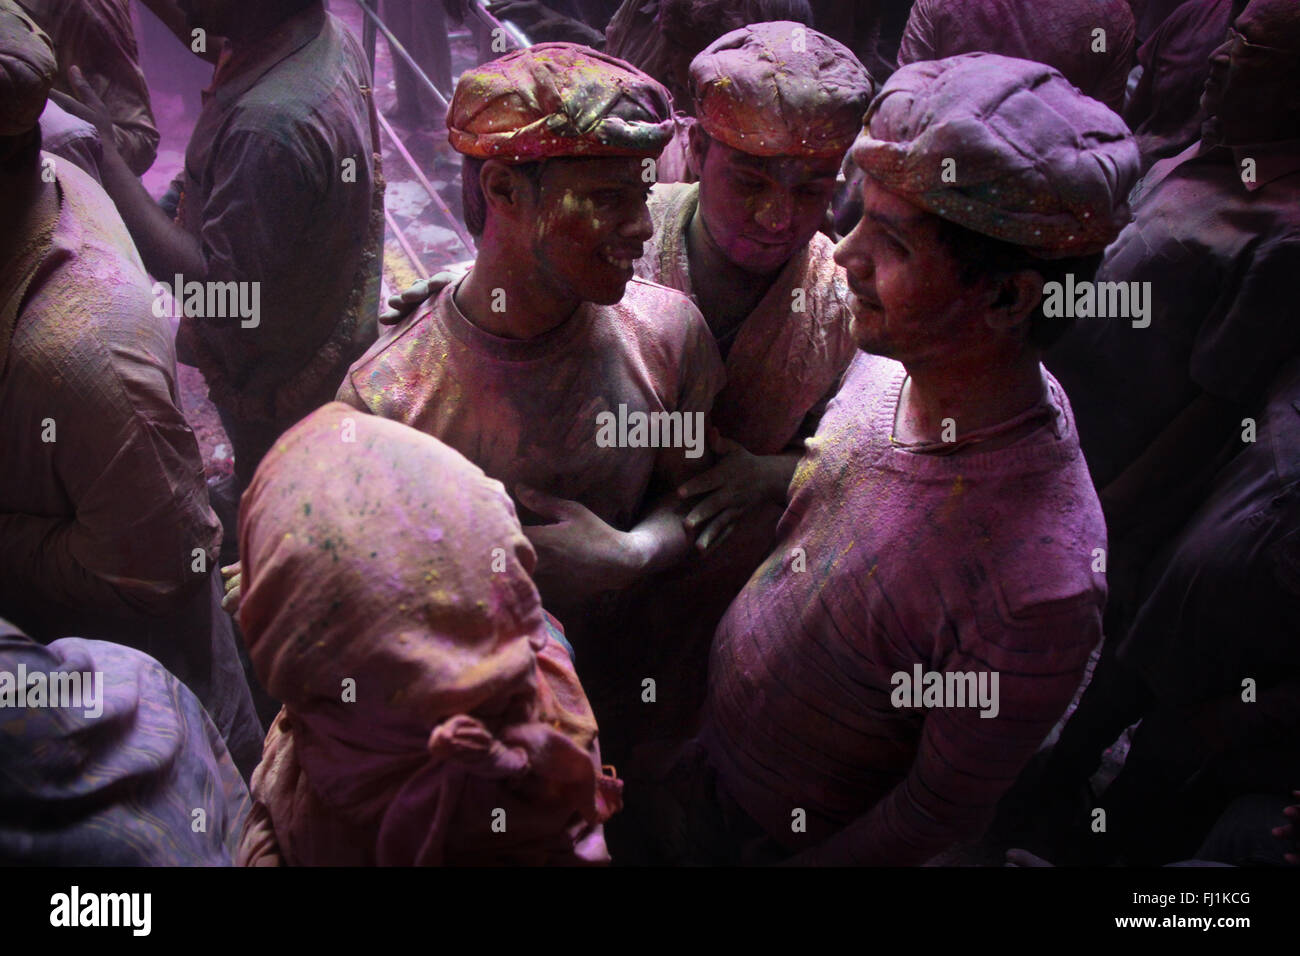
{"x": 980, "y": 255}
{"x": 474, "y": 203}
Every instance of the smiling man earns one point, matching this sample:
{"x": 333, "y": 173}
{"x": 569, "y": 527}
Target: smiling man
{"x": 778, "y": 106}
{"x": 518, "y": 364}
{"x": 943, "y": 515}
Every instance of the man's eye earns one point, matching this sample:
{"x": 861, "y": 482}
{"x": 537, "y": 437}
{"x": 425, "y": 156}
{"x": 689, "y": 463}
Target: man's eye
{"x": 751, "y": 183}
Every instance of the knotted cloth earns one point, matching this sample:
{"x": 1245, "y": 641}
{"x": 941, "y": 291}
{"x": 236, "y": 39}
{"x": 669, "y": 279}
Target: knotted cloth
{"x": 558, "y": 99}
{"x": 429, "y": 715}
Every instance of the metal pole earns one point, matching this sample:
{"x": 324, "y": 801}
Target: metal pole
{"x": 402, "y": 151}
{"x": 401, "y": 51}
{"x": 369, "y": 36}
{"x": 479, "y": 9}
{"x": 402, "y": 241}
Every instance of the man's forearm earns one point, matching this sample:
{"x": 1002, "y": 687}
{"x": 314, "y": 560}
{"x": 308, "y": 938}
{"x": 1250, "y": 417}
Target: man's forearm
{"x": 165, "y": 247}
{"x": 880, "y": 837}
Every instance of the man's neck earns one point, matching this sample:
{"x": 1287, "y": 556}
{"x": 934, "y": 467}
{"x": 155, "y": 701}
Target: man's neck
{"x": 730, "y": 293}
{"x": 507, "y": 301}
{"x": 973, "y": 396}
{"x": 257, "y": 21}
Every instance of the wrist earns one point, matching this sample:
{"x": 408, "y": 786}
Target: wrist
{"x": 636, "y": 554}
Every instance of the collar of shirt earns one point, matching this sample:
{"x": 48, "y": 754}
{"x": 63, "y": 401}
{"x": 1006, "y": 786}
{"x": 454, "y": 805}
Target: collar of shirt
{"x": 238, "y": 69}
{"x": 1272, "y": 160}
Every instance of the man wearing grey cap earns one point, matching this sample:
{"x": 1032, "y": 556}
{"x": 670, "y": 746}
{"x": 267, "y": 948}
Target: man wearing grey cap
{"x": 935, "y": 591}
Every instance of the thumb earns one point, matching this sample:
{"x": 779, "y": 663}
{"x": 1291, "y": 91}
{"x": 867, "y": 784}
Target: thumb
{"x": 548, "y": 506}
{"x": 87, "y": 96}
{"x": 80, "y": 86}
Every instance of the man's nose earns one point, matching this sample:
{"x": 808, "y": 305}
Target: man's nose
{"x": 1223, "y": 52}
{"x": 640, "y": 226}
{"x": 775, "y": 210}
{"x": 850, "y": 252}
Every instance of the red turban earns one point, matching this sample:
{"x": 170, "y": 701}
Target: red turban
{"x": 558, "y": 99}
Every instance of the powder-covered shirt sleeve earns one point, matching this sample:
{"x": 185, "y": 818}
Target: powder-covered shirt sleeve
{"x": 127, "y": 460}
{"x": 348, "y": 395}
{"x": 1238, "y": 351}
{"x": 97, "y": 36}
{"x": 73, "y": 139}
{"x": 111, "y": 505}
{"x": 263, "y": 192}
{"x": 966, "y": 762}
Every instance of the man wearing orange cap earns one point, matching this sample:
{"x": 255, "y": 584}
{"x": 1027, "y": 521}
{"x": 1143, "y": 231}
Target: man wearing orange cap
{"x": 583, "y": 389}
{"x": 778, "y": 106}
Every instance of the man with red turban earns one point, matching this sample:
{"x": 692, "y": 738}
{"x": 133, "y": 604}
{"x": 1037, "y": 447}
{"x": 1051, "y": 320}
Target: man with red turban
{"x": 527, "y": 363}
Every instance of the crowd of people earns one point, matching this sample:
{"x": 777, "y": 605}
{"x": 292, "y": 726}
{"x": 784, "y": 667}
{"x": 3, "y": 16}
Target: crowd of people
{"x": 854, "y": 421}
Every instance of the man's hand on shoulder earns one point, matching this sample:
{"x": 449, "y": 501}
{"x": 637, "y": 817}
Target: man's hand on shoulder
{"x": 401, "y": 306}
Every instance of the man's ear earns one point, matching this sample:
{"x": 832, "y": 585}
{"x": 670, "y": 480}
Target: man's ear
{"x": 1014, "y": 298}
{"x": 504, "y": 188}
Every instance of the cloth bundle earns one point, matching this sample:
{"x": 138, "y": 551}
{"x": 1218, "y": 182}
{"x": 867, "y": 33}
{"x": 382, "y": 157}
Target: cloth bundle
{"x": 430, "y": 716}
